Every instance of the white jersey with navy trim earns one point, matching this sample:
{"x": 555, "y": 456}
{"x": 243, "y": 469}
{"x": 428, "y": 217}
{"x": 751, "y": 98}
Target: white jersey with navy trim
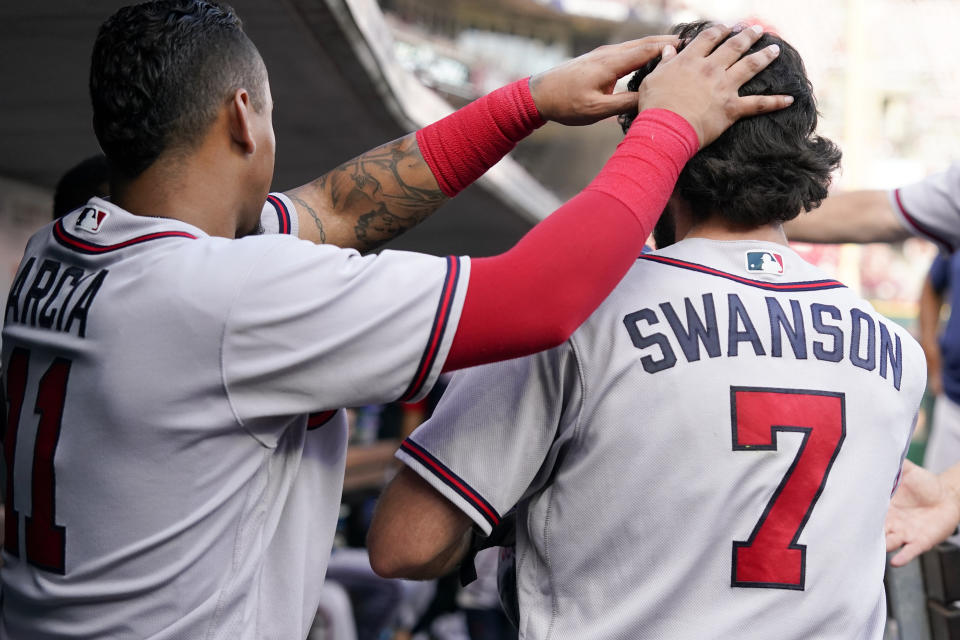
{"x": 174, "y": 466}
{"x": 278, "y": 216}
{"x": 930, "y": 208}
{"x": 711, "y": 455}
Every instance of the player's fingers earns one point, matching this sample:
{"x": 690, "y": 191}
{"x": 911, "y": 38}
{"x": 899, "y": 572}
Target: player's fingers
{"x": 754, "y": 105}
{"x": 668, "y": 54}
{"x": 751, "y": 65}
{"x": 706, "y": 41}
{"x": 905, "y": 555}
{"x": 659, "y": 40}
{"x": 894, "y": 540}
{"x": 617, "y": 103}
{"x": 731, "y": 50}
{"x": 630, "y": 56}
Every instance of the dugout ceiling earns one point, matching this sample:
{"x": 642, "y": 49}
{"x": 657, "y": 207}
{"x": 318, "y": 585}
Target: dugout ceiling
{"x": 336, "y": 87}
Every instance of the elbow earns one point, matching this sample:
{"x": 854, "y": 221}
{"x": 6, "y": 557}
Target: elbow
{"x": 385, "y": 566}
{"x": 383, "y": 561}
{"x": 392, "y": 565}
{"x": 393, "y": 557}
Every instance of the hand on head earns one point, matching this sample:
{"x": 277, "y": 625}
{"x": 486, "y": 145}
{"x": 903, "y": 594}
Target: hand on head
{"x": 580, "y": 91}
{"x": 701, "y": 82}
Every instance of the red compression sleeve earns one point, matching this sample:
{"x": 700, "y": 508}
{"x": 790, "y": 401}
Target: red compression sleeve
{"x": 461, "y": 147}
{"x": 536, "y": 294}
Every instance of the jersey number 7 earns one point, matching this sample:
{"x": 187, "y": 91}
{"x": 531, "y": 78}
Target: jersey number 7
{"x": 771, "y": 558}
{"x": 45, "y": 540}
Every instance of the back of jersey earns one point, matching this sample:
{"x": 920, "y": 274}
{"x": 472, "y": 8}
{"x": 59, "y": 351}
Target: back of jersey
{"x": 163, "y": 477}
{"x": 742, "y": 422}
{"x": 123, "y": 471}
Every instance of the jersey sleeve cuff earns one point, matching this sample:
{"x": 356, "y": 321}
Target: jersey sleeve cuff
{"x": 914, "y": 226}
{"x": 444, "y": 327}
{"x": 280, "y": 216}
{"x": 449, "y": 484}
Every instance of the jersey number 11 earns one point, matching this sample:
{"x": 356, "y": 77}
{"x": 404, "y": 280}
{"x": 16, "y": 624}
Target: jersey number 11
{"x": 45, "y": 540}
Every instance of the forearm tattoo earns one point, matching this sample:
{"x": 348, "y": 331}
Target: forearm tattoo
{"x": 313, "y": 214}
{"x": 389, "y": 190}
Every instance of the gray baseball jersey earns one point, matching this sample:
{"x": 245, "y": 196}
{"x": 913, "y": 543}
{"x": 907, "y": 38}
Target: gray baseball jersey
{"x": 174, "y": 461}
{"x": 711, "y": 455}
{"x": 930, "y": 208}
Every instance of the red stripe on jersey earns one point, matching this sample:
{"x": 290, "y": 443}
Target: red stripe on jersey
{"x": 919, "y": 228}
{"x": 317, "y": 420}
{"x": 813, "y": 285}
{"x": 437, "y": 331}
{"x": 452, "y": 480}
{"x": 72, "y": 242}
{"x": 283, "y": 214}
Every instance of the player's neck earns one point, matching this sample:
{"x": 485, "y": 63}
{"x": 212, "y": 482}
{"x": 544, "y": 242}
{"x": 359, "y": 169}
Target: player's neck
{"x": 188, "y": 189}
{"x": 715, "y": 228}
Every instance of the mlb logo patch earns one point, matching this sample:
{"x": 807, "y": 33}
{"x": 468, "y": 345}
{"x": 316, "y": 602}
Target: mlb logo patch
{"x": 91, "y": 219}
{"x": 764, "y": 262}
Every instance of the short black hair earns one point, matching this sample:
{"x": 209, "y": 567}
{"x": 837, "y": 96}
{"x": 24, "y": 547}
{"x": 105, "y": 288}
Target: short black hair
{"x": 87, "y": 179}
{"x": 766, "y": 168}
{"x": 160, "y": 71}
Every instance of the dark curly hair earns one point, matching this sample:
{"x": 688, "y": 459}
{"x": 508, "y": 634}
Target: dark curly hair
{"x": 160, "y": 71}
{"x": 765, "y": 168}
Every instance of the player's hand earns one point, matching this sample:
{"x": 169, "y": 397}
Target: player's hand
{"x": 924, "y": 512}
{"x": 702, "y": 86}
{"x": 580, "y": 91}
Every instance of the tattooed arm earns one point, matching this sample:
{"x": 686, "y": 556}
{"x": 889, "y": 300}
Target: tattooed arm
{"x": 378, "y": 195}
{"x": 370, "y": 199}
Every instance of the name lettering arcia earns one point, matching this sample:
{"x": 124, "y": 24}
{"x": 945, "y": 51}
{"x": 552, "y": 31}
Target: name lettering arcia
{"x": 52, "y": 295}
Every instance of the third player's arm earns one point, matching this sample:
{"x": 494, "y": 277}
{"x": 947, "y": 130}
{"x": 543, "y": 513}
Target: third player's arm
{"x": 852, "y": 216}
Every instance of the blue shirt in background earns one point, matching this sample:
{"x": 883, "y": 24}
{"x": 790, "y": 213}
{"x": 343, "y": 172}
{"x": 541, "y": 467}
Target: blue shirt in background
{"x": 943, "y": 271}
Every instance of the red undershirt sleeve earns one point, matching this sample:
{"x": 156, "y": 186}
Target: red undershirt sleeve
{"x": 534, "y": 296}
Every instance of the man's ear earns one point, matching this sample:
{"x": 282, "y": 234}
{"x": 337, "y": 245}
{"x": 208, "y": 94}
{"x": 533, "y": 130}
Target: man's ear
{"x": 239, "y": 122}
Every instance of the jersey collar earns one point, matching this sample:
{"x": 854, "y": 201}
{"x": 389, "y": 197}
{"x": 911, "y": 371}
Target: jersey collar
{"x": 101, "y": 227}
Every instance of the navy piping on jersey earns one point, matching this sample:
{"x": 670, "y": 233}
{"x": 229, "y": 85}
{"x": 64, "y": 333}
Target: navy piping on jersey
{"x": 317, "y": 420}
{"x": 812, "y": 285}
{"x": 919, "y": 228}
{"x": 440, "y": 319}
{"x": 61, "y": 235}
{"x": 452, "y": 480}
{"x": 283, "y": 214}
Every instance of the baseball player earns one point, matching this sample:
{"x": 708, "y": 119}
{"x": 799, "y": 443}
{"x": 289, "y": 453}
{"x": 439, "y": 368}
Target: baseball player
{"x": 712, "y": 453}
{"x": 174, "y": 449}
{"x": 926, "y": 509}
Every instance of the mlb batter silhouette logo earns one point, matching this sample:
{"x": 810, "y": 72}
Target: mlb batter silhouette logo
{"x": 764, "y": 262}
{"x": 91, "y": 219}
